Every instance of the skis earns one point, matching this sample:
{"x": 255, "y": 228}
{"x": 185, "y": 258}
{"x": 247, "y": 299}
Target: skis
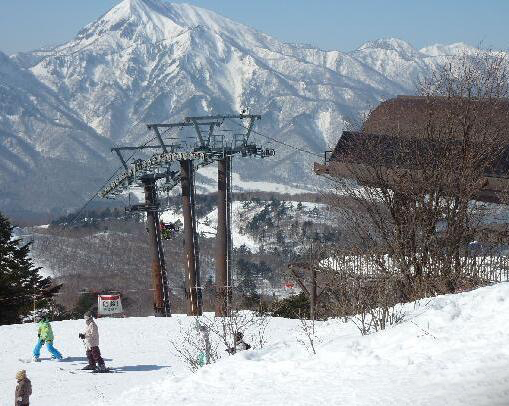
{"x": 103, "y": 371}
{"x": 30, "y": 360}
{"x": 94, "y": 371}
{"x": 27, "y": 360}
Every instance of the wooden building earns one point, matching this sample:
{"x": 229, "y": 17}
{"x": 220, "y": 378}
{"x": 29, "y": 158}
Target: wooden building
{"x": 404, "y": 133}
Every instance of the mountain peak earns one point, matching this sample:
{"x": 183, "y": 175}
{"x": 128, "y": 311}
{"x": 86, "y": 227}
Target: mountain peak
{"x": 133, "y": 20}
{"x": 155, "y": 20}
{"x": 390, "y": 44}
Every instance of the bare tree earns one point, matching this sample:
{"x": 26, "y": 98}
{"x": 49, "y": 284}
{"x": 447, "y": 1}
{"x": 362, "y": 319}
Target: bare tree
{"x": 195, "y": 346}
{"x": 307, "y": 334}
{"x": 419, "y": 175}
{"x": 202, "y": 342}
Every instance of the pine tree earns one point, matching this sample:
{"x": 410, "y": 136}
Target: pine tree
{"x": 20, "y": 281}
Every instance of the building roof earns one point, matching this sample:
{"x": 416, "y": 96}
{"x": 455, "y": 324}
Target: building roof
{"x": 403, "y": 134}
{"x": 408, "y": 116}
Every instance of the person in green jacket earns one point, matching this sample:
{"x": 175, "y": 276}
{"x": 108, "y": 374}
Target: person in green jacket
{"x": 45, "y": 335}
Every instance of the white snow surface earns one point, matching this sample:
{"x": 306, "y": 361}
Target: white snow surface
{"x": 208, "y": 225}
{"x": 450, "y": 350}
{"x": 238, "y": 238}
{"x": 240, "y": 184}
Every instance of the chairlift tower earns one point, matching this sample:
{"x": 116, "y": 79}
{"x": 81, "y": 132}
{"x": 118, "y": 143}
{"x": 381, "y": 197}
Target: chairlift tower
{"x": 158, "y": 173}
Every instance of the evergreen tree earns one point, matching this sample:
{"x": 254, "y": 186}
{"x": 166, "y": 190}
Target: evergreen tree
{"x": 20, "y": 282}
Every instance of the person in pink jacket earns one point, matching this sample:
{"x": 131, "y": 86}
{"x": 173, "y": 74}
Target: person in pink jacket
{"x": 91, "y": 338}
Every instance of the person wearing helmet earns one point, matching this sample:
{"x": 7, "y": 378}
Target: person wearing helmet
{"x": 238, "y": 344}
{"x": 23, "y": 389}
{"x": 45, "y": 336}
{"x": 91, "y": 338}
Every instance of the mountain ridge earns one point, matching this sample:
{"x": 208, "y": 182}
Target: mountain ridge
{"x": 152, "y": 61}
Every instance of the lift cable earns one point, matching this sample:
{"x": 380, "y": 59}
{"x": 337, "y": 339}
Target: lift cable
{"x": 108, "y": 180}
{"x": 278, "y": 141}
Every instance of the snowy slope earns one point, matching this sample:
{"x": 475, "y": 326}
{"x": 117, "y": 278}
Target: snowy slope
{"x": 451, "y": 350}
{"x": 208, "y": 226}
{"x": 43, "y": 143}
{"x": 153, "y": 61}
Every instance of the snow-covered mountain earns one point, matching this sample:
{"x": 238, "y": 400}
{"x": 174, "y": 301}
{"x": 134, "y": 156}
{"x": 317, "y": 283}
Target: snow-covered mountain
{"x": 62, "y": 108}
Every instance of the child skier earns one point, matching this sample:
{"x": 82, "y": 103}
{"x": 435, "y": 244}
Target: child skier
{"x": 238, "y": 344}
{"x": 23, "y": 389}
{"x": 45, "y": 335}
{"x": 205, "y": 356}
{"x": 91, "y": 338}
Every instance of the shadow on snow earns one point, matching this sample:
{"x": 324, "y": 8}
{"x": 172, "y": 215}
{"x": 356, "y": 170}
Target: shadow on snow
{"x": 141, "y": 368}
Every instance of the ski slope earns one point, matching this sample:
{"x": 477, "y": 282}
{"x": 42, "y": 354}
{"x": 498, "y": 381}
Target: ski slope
{"x": 451, "y": 350}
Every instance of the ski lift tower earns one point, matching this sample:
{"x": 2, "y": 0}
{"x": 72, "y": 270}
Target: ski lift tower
{"x": 159, "y": 173}
{"x": 152, "y": 173}
{"x": 222, "y": 149}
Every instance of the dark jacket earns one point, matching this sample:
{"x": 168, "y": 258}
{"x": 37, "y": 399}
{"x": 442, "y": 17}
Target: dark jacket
{"x": 23, "y": 391}
{"x": 238, "y": 345}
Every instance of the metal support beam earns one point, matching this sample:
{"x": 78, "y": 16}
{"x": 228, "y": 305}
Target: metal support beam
{"x": 124, "y": 163}
{"x": 159, "y": 279}
{"x": 198, "y": 132}
{"x": 191, "y": 264}
{"x": 223, "y": 239}
{"x": 219, "y": 117}
{"x": 171, "y": 146}
{"x": 172, "y": 125}
{"x": 189, "y": 123}
{"x": 158, "y": 135}
{"x": 167, "y": 125}
{"x": 211, "y": 133}
{"x": 249, "y": 128}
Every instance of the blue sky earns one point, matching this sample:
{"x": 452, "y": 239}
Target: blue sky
{"x": 328, "y": 24}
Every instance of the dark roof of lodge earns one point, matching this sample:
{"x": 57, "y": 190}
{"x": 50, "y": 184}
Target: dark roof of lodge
{"x": 394, "y": 136}
{"x": 405, "y": 116}
{"x": 409, "y": 153}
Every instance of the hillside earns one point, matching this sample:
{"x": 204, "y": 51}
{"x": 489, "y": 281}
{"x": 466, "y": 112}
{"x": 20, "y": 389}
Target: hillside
{"x": 448, "y": 350}
{"x": 111, "y": 252}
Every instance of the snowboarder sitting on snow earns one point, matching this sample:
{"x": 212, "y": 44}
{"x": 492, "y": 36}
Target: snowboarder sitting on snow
{"x": 91, "y": 338}
{"x": 238, "y": 344}
{"x": 23, "y": 389}
{"x": 45, "y": 335}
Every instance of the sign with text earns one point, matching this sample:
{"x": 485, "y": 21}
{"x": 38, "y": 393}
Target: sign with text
{"x": 109, "y": 304}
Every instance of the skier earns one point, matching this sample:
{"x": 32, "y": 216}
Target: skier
{"x": 204, "y": 356}
{"x": 23, "y": 389}
{"x": 45, "y": 335}
{"x": 91, "y": 339}
{"x": 238, "y": 344}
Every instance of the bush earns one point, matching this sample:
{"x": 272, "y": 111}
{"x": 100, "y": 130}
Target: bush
{"x": 86, "y": 302}
{"x": 293, "y": 307}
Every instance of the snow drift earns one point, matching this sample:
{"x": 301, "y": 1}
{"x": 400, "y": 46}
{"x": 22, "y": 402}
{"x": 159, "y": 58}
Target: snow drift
{"x": 448, "y": 350}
